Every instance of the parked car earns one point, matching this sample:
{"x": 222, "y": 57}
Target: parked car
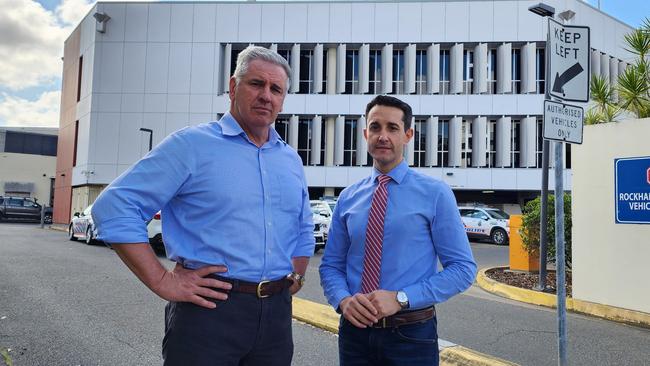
{"x": 322, "y": 217}
{"x": 154, "y": 230}
{"x": 82, "y": 227}
{"x": 23, "y": 208}
{"x": 486, "y": 223}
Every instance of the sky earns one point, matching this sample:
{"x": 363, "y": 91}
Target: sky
{"x": 31, "y": 47}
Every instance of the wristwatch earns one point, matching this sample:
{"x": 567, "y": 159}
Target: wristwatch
{"x": 402, "y": 299}
{"x": 298, "y": 278}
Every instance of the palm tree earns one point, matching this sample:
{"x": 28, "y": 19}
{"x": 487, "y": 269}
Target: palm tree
{"x": 633, "y": 86}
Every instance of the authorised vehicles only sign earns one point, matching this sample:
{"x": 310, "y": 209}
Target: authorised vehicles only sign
{"x": 563, "y": 122}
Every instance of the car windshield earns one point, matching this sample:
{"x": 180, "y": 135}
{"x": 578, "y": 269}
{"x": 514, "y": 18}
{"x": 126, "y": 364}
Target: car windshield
{"x": 318, "y": 209}
{"x": 498, "y": 214}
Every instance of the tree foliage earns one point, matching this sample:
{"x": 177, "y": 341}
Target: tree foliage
{"x": 530, "y": 227}
{"x": 631, "y": 92}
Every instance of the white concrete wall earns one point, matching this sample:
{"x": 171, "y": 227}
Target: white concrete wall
{"x": 610, "y": 261}
{"x": 26, "y": 168}
{"x": 158, "y": 64}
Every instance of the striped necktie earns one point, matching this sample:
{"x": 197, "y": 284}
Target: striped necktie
{"x": 375, "y": 237}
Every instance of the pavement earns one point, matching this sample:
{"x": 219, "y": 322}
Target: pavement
{"x": 612, "y": 313}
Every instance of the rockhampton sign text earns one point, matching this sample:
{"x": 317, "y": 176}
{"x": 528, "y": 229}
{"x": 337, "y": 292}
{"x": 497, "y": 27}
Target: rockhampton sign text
{"x": 632, "y": 189}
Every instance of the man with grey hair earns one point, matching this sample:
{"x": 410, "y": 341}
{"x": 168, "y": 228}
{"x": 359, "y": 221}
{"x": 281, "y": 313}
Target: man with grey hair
{"x": 236, "y": 220}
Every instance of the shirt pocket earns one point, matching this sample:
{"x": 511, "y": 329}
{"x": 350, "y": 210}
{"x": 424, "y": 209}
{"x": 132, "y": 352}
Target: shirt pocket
{"x": 290, "y": 188}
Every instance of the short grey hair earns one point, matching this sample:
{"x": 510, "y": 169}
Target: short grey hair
{"x": 252, "y": 53}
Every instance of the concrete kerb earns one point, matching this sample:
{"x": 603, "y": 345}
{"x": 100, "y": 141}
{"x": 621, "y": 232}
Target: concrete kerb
{"x": 612, "y": 313}
{"x": 324, "y": 317}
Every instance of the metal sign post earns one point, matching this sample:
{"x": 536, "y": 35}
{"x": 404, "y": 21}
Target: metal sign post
{"x": 568, "y": 49}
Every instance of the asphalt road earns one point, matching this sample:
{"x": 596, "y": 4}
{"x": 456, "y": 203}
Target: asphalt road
{"x": 66, "y": 303}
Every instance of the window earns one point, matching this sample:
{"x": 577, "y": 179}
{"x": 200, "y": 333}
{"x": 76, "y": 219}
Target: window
{"x": 466, "y": 144}
{"x": 81, "y": 62}
{"x": 421, "y": 72}
{"x": 419, "y": 142}
{"x": 468, "y": 71}
{"x": 514, "y": 143}
{"x": 306, "y": 72}
{"x": 76, "y": 140}
{"x": 375, "y": 72}
{"x": 516, "y": 71}
{"x": 350, "y": 143}
{"x": 352, "y": 72}
{"x": 492, "y": 142}
{"x": 444, "y": 71}
{"x": 304, "y": 140}
{"x": 492, "y": 71}
{"x": 398, "y": 72}
{"x": 233, "y": 63}
{"x": 540, "y": 144}
{"x": 30, "y": 143}
{"x": 282, "y": 128}
{"x": 540, "y": 71}
{"x": 443, "y": 143}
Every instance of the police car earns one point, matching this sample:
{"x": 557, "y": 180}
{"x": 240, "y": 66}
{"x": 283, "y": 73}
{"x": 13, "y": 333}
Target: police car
{"x": 486, "y": 223}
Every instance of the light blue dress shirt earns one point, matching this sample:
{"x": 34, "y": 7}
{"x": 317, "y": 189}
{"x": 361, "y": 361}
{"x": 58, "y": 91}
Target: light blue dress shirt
{"x": 422, "y": 224}
{"x": 224, "y": 201}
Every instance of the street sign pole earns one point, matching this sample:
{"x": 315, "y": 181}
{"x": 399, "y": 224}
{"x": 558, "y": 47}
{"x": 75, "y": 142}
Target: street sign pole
{"x": 568, "y": 48}
{"x": 559, "y": 255}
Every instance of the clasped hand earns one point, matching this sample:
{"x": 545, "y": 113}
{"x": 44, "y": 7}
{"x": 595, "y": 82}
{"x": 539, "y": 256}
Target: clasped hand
{"x": 363, "y": 310}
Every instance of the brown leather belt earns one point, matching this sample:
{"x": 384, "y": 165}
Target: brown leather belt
{"x": 406, "y": 317}
{"x": 261, "y": 289}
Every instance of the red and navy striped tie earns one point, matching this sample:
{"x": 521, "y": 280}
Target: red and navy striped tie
{"x": 375, "y": 237}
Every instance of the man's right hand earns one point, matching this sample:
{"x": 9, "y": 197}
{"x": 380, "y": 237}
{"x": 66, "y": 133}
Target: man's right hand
{"x": 186, "y": 285}
{"x": 358, "y": 310}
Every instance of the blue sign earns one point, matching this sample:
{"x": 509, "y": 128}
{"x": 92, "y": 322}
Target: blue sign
{"x": 632, "y": 186}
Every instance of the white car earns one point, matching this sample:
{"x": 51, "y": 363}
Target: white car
{"x": 154, "y": 231}
{"x": 486, "y": 223}
{"x": 82, "y": 226}
{"x": 322, "y": 217}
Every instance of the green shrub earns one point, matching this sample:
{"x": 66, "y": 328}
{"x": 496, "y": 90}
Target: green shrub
{"x": 530, "y": 227}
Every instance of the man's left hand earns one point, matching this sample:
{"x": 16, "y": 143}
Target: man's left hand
{"x": 385, "y": 302}
{"x": 295, "y": 287}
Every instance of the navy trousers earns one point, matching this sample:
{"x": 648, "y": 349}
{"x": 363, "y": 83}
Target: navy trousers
{"x": 241, "y": 331}
{"x": 407, "y": 345}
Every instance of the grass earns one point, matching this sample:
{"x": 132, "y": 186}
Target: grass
{"x": 5, "y": 356}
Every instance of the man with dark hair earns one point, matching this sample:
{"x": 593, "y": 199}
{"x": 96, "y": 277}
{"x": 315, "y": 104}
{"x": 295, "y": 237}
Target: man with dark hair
{"x": 236, "y": 220}
{"x": 388, "y": 232}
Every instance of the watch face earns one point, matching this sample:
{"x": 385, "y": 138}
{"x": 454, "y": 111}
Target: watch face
{"x": 401, "y": 297}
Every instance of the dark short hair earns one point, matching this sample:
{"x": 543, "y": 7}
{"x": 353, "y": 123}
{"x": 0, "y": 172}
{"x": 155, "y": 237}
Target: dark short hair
{"x": 389, "y": 101}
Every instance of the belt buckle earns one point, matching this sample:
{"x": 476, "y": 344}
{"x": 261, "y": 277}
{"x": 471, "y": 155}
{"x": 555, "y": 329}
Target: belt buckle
{"x": 259, "y": 290}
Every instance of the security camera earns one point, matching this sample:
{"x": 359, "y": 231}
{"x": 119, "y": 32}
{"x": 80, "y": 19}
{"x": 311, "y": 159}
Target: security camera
{"x": 102, "y": 19}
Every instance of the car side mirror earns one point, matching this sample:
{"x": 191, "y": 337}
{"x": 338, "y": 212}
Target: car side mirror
{"x": 76, "y": 214}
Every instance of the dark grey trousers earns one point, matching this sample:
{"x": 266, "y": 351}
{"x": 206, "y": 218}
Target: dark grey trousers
{"x": 241, "y": 331}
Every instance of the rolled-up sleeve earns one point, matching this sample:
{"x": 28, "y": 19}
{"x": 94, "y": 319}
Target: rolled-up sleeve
{"x": 121, "y": 211}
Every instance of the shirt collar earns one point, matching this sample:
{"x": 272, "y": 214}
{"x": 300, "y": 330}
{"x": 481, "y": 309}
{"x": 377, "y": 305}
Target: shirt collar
{"x": 397, "y": 173}
{"x": 230, "y": 127}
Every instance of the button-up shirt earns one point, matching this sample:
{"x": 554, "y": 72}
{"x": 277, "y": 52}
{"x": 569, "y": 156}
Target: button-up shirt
{"x": 422, "y": 225}
{"x": 224, "y": 201}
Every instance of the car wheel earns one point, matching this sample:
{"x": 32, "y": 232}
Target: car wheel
{"x": 89, "y": 235}
{"x": 47, "y": 219}
{"x": 499, "y": 237}
{"x": 71, "y": 234}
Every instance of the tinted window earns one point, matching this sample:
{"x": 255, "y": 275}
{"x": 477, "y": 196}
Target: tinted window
{"x": 465, "y": 212}
{"x": 30, "y": 143}
{"x": 498, "y": 214}
{"x": 15, "y": 202}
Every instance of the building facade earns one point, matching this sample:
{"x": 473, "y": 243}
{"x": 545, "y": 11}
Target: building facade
{"x": 28, "y": 162}
{"x": 473, "y": 71}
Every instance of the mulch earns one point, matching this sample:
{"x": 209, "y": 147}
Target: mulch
{"x": 527, "y": 280}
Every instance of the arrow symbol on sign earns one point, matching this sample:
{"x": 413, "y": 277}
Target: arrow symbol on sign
{"x": 561, "y": 80}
